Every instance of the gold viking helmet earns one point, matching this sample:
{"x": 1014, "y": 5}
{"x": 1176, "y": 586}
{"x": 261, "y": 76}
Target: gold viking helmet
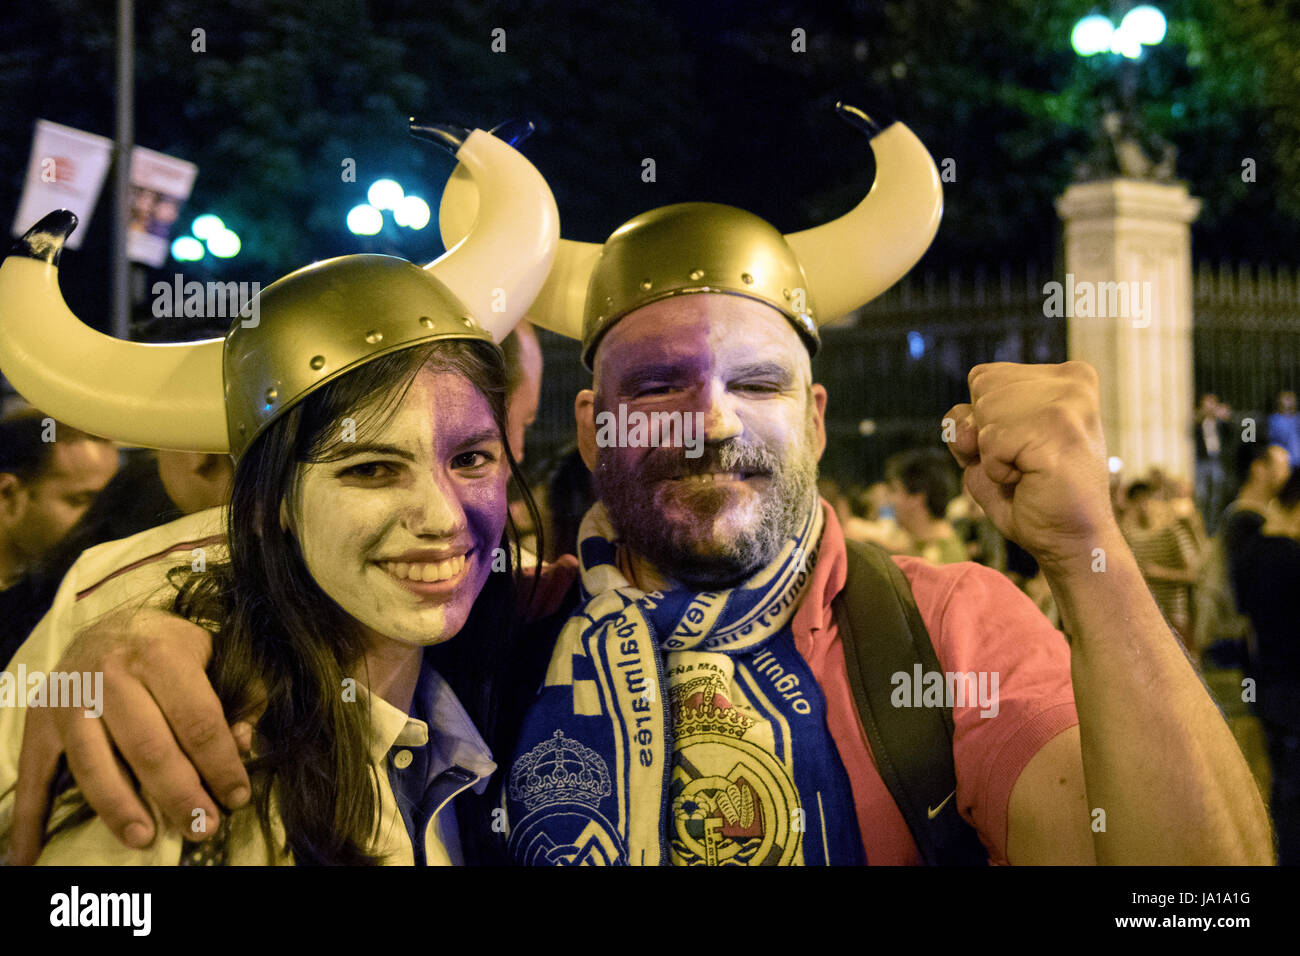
{"x": 322, "y": 321}
{"x": 705, "y": 247}
{"x": 306, "y": 329}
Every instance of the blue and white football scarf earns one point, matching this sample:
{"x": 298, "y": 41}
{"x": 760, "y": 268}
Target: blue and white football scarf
{"x": 681, "y": 727}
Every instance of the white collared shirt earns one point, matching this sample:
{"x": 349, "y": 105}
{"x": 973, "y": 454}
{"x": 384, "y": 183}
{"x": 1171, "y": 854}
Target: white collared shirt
{"x": 458, "y": 760}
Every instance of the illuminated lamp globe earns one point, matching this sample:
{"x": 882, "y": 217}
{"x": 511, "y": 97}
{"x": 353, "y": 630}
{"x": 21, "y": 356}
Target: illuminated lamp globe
{"x": 365, "y": 220}
{"x": 1145, "y": 23}
{"x": 187, "y": 249}
{"x": 384, "y": 194}
{"x": 207, "y": 226}
{"x": 224, "y": 244}
{"x": 412, "y": 212}
{"x": 1092, "y": 35}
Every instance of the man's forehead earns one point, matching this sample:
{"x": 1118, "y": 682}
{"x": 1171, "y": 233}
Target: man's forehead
{"x": 701, "y": 330}
{"x": 83, "y": 464}
{"x": 72, "y": 458}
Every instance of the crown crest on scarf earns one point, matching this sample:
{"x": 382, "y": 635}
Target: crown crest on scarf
{"x": 559, "y": 770}
{"x": 700, "y": 706}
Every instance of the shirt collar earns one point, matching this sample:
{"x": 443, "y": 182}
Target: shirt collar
{"x": 455, "y": 740}
{"x": 813, "y": 619}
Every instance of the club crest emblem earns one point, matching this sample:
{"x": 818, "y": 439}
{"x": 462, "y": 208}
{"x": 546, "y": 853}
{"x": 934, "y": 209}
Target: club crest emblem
{"x": 560, "y": 783}
{"x": 733, "y": 803}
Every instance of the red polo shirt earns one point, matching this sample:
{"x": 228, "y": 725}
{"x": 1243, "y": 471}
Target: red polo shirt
{"x": 978, "y": 621}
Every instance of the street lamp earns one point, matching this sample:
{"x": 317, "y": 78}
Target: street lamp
{"x": 206, "y": 226}
{"x": 367, "y": 218}
{"x": 1122, "y": 144}
{"x": 412, "y": 212}
{"x": 1145, "y": 23}
{"x": 216, "y": 239}
{"x": 224, "y": 244}
{"x": 187, "y": 249}
{"x": 1092, "y": 35}
{"x": 1141, "y": 26}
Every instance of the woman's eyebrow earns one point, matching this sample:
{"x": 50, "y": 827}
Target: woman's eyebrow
{"x": 375, "y": 448}
{"x": 489, "y": 434}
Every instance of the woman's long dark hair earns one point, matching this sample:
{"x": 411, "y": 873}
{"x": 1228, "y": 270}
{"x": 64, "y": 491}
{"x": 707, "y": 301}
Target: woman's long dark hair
{"x": 280, "y": 633}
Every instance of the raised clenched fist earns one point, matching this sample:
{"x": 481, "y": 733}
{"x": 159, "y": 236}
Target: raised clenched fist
{"x": 1033, "y": 455}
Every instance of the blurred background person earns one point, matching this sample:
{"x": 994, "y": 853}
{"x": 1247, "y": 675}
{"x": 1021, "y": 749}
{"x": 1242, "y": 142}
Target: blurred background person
{"x": 1118, "y": 502}
{"x": 49, "y": 475}
{"x": 1212, "y": 433}
{"x": 523, "y": 356}
{"x": 1022, "y": 568}
{"x": 1179, "y": 495}
{"x": 871, "y": 518}
{"x": 921, "y": 483}
{"x": 1268, "y": 589}
{"x": 1222, "y": 638}
{"x": 1222, "y": 633}
{"x": 1263, "y": 470}
{"x": 191, "y": 480}
{"x": 1167, "y": 553}
{"x": 1284, "y": 426}
{"x": 569, "y": 496}
{"x": 984, "y": 543}
{"x": 834, "y": 495}
{"x": 151, "y": 488}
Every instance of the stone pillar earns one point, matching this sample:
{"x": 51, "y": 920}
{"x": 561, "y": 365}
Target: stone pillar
{"x": 1127, "y": 295}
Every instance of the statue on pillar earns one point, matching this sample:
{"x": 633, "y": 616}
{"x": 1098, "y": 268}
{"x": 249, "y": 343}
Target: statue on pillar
{"x": 1124, "y": 148}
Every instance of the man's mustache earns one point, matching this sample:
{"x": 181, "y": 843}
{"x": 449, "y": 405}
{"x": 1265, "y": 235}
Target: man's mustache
{"x": 731, "y": 455}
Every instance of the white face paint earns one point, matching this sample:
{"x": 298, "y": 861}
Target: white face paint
{"x": 400, "y": 533}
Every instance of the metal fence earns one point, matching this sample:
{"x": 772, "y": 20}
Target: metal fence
{"x": 1246, "y": 345}
{"x": 894, "y": 369}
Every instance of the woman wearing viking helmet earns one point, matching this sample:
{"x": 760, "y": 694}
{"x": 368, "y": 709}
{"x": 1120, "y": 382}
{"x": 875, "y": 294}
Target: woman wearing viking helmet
{"x": 365, "y": 408}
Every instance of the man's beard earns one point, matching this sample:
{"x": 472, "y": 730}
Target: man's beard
{"x": 687, "y": 551}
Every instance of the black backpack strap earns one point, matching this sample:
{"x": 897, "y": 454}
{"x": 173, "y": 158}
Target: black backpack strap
{"x": 882, "y": 634}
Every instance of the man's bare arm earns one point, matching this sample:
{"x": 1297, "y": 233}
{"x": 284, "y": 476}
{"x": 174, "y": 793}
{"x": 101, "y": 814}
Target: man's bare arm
{"x": 1157, "y": 757}
{"x": 159, "y": 712}
{"x": 1152, "y": 773}
{"x": 1048, "y": 821}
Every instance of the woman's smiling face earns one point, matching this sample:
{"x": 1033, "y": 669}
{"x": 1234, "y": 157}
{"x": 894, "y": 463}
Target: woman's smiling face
{"x": 400, "y": 530}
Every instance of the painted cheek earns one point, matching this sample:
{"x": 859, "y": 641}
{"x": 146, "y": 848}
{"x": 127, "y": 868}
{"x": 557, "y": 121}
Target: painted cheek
{"x": 485, "y": 503}
{"x": 340, "y": 529}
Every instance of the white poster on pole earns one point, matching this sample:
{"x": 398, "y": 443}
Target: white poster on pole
{"x": 160, "y": 184}
{"x": 66, "y": 171}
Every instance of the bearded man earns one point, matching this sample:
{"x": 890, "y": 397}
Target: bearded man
{"x": 712, "y": 693}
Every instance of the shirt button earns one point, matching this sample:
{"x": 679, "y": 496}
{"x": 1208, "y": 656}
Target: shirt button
{"x": 402, "y": 759}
